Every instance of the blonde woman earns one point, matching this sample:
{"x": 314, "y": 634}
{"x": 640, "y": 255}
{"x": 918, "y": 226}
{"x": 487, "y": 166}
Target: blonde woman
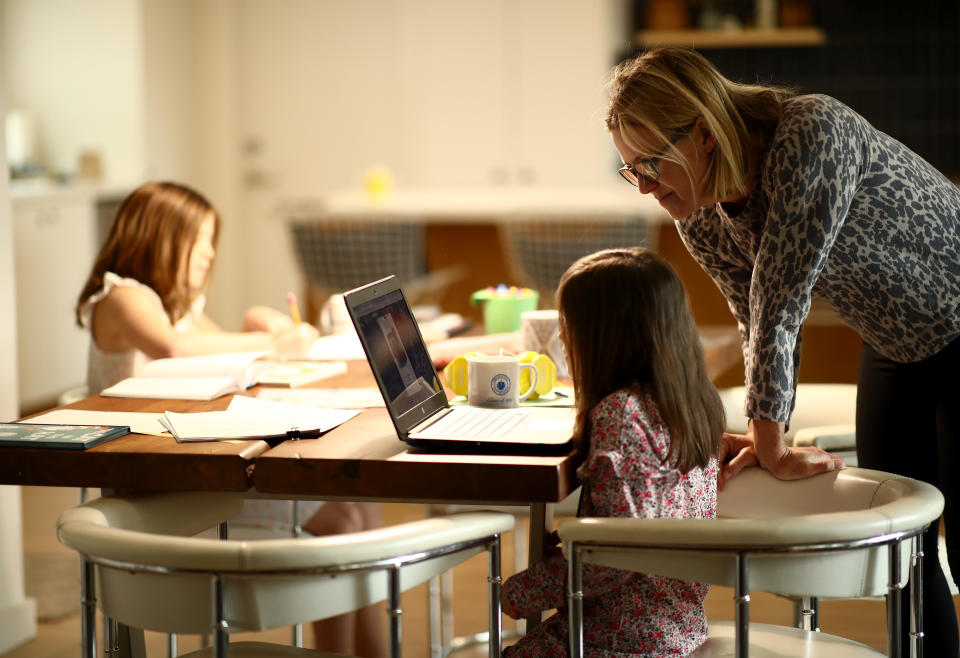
{"x": 782, "y": 198}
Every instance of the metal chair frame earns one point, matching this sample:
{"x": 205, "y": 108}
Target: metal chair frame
{"x": 220, "y": 580}
{"x": 578, "y": 549}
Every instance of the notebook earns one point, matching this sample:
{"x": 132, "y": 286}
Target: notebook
{"x": 415, "y": 398}
{"x": 73, "y": 437}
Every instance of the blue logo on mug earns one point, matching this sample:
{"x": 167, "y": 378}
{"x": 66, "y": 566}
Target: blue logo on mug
{"x": 500, "y": 384}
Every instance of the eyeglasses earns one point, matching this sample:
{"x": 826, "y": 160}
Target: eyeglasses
{"x": 647, "y": 169}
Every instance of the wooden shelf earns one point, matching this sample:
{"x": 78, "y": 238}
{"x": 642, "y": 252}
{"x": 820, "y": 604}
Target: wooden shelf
{"x": 737, "y": 38}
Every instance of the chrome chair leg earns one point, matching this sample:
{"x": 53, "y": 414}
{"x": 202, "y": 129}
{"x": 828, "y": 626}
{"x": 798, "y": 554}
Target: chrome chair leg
{"x": 434, "y": 620}
{"x": 220, "y": 638}
{"x": 916, "y": 597}
{"x": 808, "y": 613}
{"x": 395, "y": 612}
{"x": 742, "y": 615}
{"x": 575, "y": 600}
{"x": 88, "y": 609}
{"x": 111, "y": 637}
{"x": 495, "y": 580}
{"x": 894, "y": 601}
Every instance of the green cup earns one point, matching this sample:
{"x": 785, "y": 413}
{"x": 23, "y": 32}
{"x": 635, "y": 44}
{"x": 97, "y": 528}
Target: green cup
{"x": 501, "y": 312}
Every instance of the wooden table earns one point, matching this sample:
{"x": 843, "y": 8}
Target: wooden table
{"x": 138, "y": 461}
{"x": 363, "y": 459}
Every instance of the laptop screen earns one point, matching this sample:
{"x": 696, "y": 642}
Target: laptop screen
{"x": 396, "y": 352}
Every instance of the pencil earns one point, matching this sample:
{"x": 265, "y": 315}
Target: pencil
{"x": 294, "y": 311}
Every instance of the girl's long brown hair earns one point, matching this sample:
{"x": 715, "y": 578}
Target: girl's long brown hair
{"x": 150, "y": 241}
{"x": 627, "y": 321}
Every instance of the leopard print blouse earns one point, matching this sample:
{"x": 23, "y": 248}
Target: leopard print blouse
{"x": 844, "y": 212}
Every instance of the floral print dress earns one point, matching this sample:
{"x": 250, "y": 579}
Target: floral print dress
{"x": 627, "y": 473}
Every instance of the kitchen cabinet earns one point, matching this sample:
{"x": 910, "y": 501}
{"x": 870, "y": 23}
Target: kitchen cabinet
{"x": 55, "y": 239}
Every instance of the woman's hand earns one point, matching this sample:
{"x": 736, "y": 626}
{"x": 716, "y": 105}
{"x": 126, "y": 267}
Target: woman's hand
{"x": 295, "y": 341}
{"x": 764, "y": 444}
{"x": 788, "y": 462}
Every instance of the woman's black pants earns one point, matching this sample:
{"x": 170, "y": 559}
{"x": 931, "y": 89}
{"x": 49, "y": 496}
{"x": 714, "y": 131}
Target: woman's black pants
{"x": 908, "y": 423}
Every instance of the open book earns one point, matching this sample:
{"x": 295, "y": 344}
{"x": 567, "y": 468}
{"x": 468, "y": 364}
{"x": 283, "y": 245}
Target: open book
{"x": 210, "y": 376}
{"x": 192, "y": 377}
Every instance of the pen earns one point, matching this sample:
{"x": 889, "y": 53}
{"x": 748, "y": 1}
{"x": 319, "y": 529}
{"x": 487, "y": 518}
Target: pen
{"x": 294, "y": 433}
{"x": 294, "y": 311}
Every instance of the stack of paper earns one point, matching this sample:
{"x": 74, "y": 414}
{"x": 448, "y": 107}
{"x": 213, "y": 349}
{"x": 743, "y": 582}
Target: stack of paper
{"x": 334, "y": 398}
{"x": 253, "y": 418}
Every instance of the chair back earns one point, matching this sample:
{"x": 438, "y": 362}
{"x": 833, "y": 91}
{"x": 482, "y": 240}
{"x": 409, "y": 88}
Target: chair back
{"x": 539, "y": 252}
{"x": 817, "y": 405}
{"x": 825, "y": 536}
{"x": 152, "y": 575}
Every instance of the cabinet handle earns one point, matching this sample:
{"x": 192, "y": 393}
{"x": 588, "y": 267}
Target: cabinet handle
{"x": 47, "y": 217}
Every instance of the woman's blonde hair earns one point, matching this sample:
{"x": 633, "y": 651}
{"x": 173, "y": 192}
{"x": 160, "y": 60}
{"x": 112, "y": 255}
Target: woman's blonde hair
{"x": 667, "y": 89}
{"x": 150, "y": 241}
{"x": 627, "y": 321}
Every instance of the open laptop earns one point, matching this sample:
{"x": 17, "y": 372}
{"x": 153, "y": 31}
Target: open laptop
{"x": 416, "y": 400}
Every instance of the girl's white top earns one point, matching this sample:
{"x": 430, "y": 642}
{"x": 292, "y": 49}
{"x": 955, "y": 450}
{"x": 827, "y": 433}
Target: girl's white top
{"x": 105, "y": 369}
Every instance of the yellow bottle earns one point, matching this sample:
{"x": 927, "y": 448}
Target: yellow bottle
{"x": 455, "y": 374}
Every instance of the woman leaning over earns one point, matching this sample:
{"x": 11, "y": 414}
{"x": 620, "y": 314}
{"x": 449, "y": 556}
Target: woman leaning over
{"x": 782, "y": 198}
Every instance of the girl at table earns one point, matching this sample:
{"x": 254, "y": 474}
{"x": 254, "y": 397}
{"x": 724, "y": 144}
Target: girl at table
{"x": 144, "y": 299}
{"x": 649, "y": 424}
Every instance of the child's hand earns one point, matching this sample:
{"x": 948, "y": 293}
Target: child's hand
{"x": 551, "y": 545}
{"x": 295, "y": 341}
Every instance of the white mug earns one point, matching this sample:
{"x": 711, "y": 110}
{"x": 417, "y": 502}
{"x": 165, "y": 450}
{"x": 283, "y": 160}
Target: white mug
{"x": 334, "y": 318}
{"x": 494, "y": 381}
{"x": 541, "y": 333}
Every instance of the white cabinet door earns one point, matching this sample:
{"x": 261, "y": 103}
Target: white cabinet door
{"x": 54, "y": 241}
{"x": 560, "y": 56}
{"x": 509, "y": 92}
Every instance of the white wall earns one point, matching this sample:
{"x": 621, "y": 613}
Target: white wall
{"x": 18, "y": 618}
{"x": 75, "y": 66}
{"x": 191, "y": 75}
{"x": 259, "y": 103}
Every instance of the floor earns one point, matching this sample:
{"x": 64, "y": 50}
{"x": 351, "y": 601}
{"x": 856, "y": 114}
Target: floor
{"x": 59, "y": 636}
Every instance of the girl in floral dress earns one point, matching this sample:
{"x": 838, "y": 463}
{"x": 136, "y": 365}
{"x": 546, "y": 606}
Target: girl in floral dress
{"x": 649, "y": 424}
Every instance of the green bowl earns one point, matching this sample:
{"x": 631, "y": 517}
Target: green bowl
{"x": 501, "y": 314}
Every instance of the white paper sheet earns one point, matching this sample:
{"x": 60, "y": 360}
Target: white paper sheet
{"x": 139, "y": 422}
{"x": 252, "y": 418}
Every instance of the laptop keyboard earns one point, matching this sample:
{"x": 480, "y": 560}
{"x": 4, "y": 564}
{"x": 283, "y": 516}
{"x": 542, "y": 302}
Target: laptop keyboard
{"x": 476, "y": 423}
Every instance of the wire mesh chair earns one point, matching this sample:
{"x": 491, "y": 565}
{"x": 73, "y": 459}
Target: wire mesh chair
{"x": 335, "y": 256}
{"x": 538, "y": 253}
